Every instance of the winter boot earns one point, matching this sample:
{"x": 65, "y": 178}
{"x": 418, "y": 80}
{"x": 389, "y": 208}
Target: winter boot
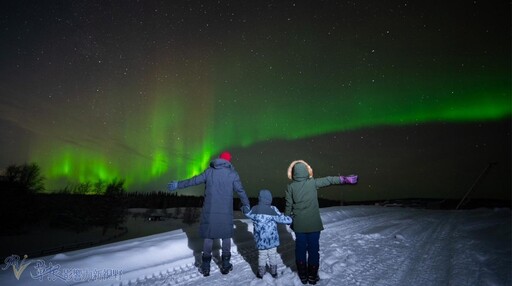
{"x": 273, "y": 270}
{"x": 261, "y": 271}
{"x": 302, "y": 268}
{"x": 226, "y": 266}
{"x": 205, "y": 266}
{"x": 313, "y": 274}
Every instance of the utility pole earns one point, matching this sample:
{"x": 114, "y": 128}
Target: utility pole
{"x": 489, "y": 165}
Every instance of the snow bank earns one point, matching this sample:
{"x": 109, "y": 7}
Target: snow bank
{"x": 361, "y": 245}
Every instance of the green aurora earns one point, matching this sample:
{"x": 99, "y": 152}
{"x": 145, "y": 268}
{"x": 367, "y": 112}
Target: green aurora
{"x": 180, "y": 136}
{"x": 151, "y": 92}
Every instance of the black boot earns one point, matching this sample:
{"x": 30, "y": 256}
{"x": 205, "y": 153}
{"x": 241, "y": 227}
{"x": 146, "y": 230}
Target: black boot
{"x": 273, "y": 270}
{"x": 261, "y": 271}
{"x": 313, "y": 274}
{"x": 226, "y": 266}
{"x": 205, "y": 266}
{"x": 302, "y": 269}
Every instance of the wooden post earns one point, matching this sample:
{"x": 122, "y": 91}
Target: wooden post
{"x": 474, "y": 184}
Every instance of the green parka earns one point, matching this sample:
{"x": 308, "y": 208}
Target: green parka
{"x": 302, "y": 198}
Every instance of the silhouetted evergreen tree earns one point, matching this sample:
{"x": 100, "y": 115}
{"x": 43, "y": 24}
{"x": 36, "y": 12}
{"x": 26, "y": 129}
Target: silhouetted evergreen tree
{"x": 18, "y": 207}
{"x": 113, "y": 207}
{"x": 24, "y": 178}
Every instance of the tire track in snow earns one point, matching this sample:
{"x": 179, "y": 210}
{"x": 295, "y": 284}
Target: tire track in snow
{"x": 427, "y": 254}
{"x": 188, "y": 274}
{"x": 243, "y": 254}
{"x": 359, "y": 263}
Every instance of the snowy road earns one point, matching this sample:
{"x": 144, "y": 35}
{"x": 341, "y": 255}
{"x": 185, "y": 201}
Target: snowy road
{"x": 361, "y": 245}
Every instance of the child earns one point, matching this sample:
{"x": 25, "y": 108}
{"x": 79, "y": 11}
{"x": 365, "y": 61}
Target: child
{"x": 302, "y": 205}
{"x": 265, "y": 217}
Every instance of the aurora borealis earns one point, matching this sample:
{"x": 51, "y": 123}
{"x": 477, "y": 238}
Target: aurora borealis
{"x": 150, "y": 91}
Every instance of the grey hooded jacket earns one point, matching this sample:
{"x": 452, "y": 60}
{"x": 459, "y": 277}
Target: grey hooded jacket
{"x": 220, "y": 180}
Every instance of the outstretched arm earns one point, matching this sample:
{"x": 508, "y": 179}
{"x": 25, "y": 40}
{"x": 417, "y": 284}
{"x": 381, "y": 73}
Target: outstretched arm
{"x": 336, "y": 180}
{"x": 196, "y": 180}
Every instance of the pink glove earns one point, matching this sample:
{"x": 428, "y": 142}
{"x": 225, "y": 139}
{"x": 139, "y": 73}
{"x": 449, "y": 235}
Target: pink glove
{"x": 350, "y": 179}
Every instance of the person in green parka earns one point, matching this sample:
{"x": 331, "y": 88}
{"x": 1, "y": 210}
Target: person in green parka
{"x": 302, "y": 206}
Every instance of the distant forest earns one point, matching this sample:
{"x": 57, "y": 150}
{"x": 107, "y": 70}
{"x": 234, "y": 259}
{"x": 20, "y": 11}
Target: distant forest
{"x": 100, "y": 204}
{"x": 84, "y": 205}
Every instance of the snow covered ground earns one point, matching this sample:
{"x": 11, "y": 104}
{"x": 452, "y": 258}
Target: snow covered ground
{"x": 361, "y": 245}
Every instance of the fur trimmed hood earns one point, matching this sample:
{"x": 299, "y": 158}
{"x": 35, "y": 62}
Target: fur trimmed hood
{"x": 290, "y": 169}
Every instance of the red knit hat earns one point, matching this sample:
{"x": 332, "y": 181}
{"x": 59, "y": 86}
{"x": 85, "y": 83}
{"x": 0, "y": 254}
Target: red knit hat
{"x": 226, "y": 156}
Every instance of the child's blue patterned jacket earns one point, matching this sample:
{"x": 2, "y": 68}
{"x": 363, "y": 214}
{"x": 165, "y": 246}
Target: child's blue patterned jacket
{"x": 265, "y": 218}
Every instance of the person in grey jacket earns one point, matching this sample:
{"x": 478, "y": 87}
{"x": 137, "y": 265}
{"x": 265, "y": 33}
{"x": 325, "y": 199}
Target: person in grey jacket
{"x": 265, "y": 218}
{"x": 220, "y": 180}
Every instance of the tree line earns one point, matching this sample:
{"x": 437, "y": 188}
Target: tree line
{"x": 81, "y": 206}
{"x": 24, "y": 203}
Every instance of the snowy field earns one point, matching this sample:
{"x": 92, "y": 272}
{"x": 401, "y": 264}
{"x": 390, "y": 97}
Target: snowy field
{"x": 361, "y": 245}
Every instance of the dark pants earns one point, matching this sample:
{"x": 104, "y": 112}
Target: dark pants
{"x": 307, "y": 247}
{"x": 208, "y": 246}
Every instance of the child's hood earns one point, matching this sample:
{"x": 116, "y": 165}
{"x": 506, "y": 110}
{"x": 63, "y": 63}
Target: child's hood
{"x": 264, "y": 206}
{"x": 265, "y": 197}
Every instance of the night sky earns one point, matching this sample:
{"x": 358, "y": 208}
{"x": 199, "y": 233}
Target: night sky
{"x": 415, "y": 97}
